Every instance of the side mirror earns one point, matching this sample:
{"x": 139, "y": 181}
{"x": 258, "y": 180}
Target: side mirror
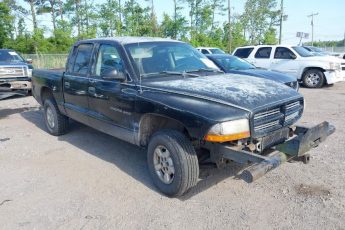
{"x": 29, "y": 61}
{"x": 293, "y": 56}
{"x": 114, "y": 74}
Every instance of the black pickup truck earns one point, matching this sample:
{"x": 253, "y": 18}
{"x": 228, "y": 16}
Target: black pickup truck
{"x": 165, "y": 96}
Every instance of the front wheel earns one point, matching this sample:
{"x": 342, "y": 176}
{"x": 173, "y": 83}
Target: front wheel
{"x": 172, "y": 162}
{"x": 313, "y": 78}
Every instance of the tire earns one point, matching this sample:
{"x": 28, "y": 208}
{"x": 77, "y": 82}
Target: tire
{"x": 180, "y": 155}
{"x": 313, "y": 78}
{"x": 56, "y": 123}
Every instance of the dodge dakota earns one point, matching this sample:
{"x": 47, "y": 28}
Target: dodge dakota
{"x": 165, "y": 96}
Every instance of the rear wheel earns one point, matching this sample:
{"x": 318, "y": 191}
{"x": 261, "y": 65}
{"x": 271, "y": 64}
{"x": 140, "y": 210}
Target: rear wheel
{"x": 313, "y": 78}
{"x": 56, "y": 122}
{"x": 172, "y": 162}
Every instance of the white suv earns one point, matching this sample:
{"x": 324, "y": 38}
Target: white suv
{"x": 313, "y": 71}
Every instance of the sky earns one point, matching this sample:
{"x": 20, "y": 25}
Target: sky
{"x": 329, "y": 24}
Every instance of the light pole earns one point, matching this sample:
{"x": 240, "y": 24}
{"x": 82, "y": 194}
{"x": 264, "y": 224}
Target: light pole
{"x": 229, "y": 24}
{"x": 312, "y": 26}
{"x": 281, "y": 20}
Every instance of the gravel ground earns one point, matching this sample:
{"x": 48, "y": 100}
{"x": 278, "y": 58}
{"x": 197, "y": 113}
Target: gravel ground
{"x": 89, "y": 180}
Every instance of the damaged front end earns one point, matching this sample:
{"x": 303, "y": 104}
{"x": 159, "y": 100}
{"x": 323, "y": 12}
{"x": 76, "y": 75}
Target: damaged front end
{"x": 294, "y": 143}
{"x": 14, "y": 81}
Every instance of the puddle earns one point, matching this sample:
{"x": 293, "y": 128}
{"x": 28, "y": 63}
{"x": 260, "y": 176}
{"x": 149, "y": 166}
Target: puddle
{"x": 4, "y": 139}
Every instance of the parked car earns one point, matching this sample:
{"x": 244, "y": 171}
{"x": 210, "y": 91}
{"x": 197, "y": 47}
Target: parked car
{"x": 151, "y": 93}
{"x": 317, "y": 51}
{"x": 15, "y": 71}
{"x": 232, "y": 64}
{"x": 210, "y": 50}
{"x": 313, "y": 71}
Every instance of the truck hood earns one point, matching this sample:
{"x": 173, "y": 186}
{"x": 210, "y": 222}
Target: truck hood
{"x": 239, "y": 91}
{"x": 15, "y": 64}
{"x": 324, "y": 59}
{"x": 271, "y": 75}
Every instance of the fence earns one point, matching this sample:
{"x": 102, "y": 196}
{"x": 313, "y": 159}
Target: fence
{"x": 334, "y": 49}
{"x": 47, "y": 60}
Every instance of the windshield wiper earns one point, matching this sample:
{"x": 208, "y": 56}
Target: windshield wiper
{"x": 205, "y": 70}
{"x": 183, "y": 74}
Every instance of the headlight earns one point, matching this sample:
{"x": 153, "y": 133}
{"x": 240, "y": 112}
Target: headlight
{"x": 229, "y": 131}
{"x": 30, "y": 72}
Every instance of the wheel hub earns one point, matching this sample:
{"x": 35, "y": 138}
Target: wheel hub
{"x": 163, "y": 164}
{"x": 50, "y": 117}
{"x": 313, "y": 79}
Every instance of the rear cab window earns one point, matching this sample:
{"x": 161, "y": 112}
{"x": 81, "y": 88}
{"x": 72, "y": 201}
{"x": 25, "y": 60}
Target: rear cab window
{"x": 243, "y": 52}
{"x": 205, "y": 51}
{"x": 80, "y": 60}
{"x": 263, "y": 52}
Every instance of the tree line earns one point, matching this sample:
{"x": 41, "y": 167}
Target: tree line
{"x": 74, "y": 20}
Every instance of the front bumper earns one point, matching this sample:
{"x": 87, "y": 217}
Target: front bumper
{"x": 334, "y": 76}
{"x": 297, "y": 146}
{"x": 16, "y": 83}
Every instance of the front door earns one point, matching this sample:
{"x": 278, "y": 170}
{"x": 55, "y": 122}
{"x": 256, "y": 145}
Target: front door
{"x": 111, "y": 102}
{"x": 76, "y": 81}
{"x": 284, "y": 61}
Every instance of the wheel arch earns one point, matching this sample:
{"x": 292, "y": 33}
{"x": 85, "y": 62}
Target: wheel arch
{"x": 151, "y": 123}
{"x": 45, "y": 93}
{"x": 314, "y": 67}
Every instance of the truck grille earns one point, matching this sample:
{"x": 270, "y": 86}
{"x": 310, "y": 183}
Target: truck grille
{"x": 11, "y": 71}
{"x": 277, "y": 117}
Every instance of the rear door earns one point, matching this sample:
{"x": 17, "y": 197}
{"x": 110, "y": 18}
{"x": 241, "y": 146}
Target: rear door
{"x": 284, "y": 61}
{"x": 243, "y": 53}
{"x": 76, "y": 81}
{"x": 111, "y": 102}
{"x": 262, "y": 57}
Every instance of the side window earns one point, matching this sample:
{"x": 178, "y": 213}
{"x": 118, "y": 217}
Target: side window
{"x": 283, "y": 53}
{"x": 108, "y": 59}
{"x": 243, "y": 52}
{"x": 263, "y": 52}
{"x": 82, "y": 59}
{"x": 204, "y": 51}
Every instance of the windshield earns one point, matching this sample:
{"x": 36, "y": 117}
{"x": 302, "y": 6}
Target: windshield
{"x": 315, "y": 49}
{"x": 232, "y": 63}
{"x": 10, "y": 56}
{"x": 217, "y": 51}
{"x": 158, "y": 57}
{"x": 302, "y": 51}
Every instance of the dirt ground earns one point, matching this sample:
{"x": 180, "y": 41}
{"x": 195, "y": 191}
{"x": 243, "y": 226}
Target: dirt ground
{"x": 89, "y": 180}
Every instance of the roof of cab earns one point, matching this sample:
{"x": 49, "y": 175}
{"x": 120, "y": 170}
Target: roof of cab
{"x": 130, "y": 40}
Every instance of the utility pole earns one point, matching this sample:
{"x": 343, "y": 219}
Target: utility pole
{"x": 229, "y": 24}
{"x": 281, "y": 20}
{"x": 344, "y": 40}
{"x": 312, "y": 26}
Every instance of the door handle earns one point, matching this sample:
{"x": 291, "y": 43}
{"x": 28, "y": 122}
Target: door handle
{"x": 92, "y": 92}
{"x": 92, "y": 81}
{"x": 67, "y": 84}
